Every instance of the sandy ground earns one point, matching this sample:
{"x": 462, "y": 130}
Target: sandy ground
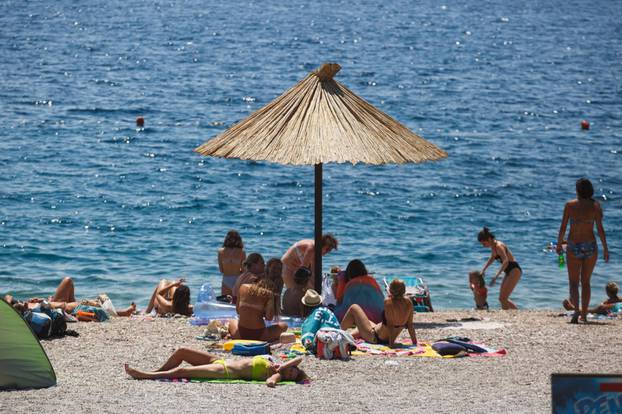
{"x": 91, "y": 377}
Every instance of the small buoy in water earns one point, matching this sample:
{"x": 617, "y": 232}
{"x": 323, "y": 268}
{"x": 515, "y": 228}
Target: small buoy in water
{"x": 585, "y": 124}
{"x": 140, "y": 122}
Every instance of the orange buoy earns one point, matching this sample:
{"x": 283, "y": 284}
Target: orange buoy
{"x": 585, "y": 124}
{"x": 140, "y": 122}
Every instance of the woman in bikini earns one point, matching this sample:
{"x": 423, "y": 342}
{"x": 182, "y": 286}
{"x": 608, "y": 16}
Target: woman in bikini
{"x": 513, "y": 272}
{"x": 582, "y": 250}
{"x": 207, "y": 366}
{"x": 171, "y": 297}
{"x": 256, "y": 302}
{"x": 302, "y": 254}
{"x": 397, "y": 316}
{"x": 231, "y": 256}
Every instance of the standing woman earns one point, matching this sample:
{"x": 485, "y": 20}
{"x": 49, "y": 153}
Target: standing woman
{"x": 230, "y": 258}
{"x": 582, "y": 250}
{"x": 499, "y": 251}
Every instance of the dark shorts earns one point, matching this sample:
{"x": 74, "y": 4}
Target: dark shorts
{"x": 250, "y": 333}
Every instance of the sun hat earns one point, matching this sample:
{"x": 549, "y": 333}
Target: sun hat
{"x": 311, "y": 298}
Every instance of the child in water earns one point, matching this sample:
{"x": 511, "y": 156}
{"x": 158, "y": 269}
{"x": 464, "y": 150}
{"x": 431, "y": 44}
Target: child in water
{"x": 480, "y": 292}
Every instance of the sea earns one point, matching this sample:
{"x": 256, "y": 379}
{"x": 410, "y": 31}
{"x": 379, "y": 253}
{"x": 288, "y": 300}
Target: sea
{"x": 501, "y": 86}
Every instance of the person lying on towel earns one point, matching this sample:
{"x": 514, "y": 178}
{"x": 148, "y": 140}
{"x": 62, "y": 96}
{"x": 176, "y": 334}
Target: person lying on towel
{"x": 207, "y": 366}
{"x": 397, "y": 316}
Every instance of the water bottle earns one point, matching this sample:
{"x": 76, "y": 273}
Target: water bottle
{"x": 206, "y": 294}
{"x": 561, "y": 260}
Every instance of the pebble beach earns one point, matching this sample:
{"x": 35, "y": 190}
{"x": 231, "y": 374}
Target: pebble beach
{"x": 89, "y": 369}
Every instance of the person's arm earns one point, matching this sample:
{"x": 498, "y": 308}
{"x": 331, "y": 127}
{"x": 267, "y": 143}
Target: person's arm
{"x": 489, "y": 262}
{"x": 269, "y": 309}
{"x": 601, "y": 232}
{"x": 411, "y": 326}
{"x": 220, "y": 268}
{"x": 273, "y": 380}
{"x": 562, "y": 229}
{"x": 504, "y": 263}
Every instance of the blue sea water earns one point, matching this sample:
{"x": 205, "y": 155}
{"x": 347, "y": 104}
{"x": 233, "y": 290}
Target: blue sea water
{"x": 501, "y": 86}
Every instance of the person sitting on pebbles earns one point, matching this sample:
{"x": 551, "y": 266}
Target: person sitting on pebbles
{"x": 397, "y": 316}
{"x": 207, "y": 366}
{"x": 608, "y": 304}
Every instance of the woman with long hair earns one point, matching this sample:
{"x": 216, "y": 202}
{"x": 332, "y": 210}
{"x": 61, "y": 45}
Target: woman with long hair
{"x": 513, "y": 272}
{"x": 171, "y": 297}
{"x": 257, "y": 301}
{"x": 582, "y": 213}
{"x": 231, "y": 256}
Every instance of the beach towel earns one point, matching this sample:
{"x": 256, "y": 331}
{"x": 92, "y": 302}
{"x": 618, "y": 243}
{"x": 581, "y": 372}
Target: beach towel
{"x": 365, "y": 292}
{"x": 405, "y": 348}
{"x": 224, "y": 381}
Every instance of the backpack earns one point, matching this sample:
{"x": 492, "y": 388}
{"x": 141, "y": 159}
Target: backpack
{"x": 46, "y": 322}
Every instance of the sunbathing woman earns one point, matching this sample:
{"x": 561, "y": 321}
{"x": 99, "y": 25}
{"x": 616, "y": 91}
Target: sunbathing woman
{"x": 171, "y": 297}
{"x": 582, "y": 213}
{"x": 397, "y": 316}
{"x": 64, "y": 298}
{"x": 231, "y": 256}
{"x": 207, "y": 366}
{"x": 255, "y": 302}
{"x": 513, "y": 272}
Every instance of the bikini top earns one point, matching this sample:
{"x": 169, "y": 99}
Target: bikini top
{"x": 244, "y": 304}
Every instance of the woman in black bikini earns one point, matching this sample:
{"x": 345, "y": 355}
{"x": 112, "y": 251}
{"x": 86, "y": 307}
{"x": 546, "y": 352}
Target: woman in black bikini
{"x": 513, "y": 272}
{"x": 582, "y": 213}
{"x": 397, "y": 316}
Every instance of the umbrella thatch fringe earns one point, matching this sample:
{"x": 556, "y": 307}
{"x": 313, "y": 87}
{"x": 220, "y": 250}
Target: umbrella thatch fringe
{"x": 319, "y": 120}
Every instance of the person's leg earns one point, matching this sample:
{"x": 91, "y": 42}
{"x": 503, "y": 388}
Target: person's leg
{"x": 356, "y": 316}
{"x": 152, "y": 301}
{"x": 233, "y": 329}
{"x": 586, "y": 290}
{"x": 129, "y": 311}
{"x": 211, "y": 371}
{"x": 64, "y": 291}
{"x": 191, "y": 356}
{"x": 574, "y": 275}
{"x": 273, "y": 333}
{"x": 507, "y": 286}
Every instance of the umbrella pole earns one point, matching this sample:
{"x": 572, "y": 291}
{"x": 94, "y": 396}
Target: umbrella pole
{"x": 318, "y": 228}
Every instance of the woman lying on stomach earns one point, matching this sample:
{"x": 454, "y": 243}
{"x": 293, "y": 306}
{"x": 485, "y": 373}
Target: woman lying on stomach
{"x": 256, "y": 302}
{"x": 207, "y": 366}
{"x": 397, "y": 316}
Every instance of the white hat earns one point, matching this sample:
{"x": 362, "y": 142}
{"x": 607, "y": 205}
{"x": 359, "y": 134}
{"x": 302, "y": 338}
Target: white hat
{"x": 312, "y": 298}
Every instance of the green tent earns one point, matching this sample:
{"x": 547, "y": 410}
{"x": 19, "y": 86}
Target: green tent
{"x": 23, "y": 362}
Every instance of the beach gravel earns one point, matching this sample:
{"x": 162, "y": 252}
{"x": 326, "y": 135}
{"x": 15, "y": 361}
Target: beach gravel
{"x": 538, "y": 343}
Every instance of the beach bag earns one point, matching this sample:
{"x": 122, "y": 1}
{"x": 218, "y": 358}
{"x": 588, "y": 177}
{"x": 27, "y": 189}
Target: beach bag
{"x": 46, "y": 322}
{"x": 333, "y": 343}
{"x": 448, "y": 348}
{"x": 39, "y": 322}
{"x": 251, "y": 349}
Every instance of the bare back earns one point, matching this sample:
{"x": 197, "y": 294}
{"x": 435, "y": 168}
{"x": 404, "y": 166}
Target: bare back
{"x": 582, "y": 214}
{"x": 252, "y": 309}
{"x": 230, "y": 260}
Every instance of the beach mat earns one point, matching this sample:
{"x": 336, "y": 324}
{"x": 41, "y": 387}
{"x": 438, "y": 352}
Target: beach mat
{"x": 405, "y": 348}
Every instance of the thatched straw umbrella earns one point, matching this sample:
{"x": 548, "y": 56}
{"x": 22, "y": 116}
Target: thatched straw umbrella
{"x": 318, "y": 121}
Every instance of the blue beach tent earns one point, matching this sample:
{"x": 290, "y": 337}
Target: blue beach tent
{"x": 23, "y": 362}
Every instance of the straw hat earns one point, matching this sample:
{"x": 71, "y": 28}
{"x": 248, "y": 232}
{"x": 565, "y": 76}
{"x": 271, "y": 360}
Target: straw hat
{"x": 311, "y": 298}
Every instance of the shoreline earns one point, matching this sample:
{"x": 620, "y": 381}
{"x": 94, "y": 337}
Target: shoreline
{"x": 90, "y": 374}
